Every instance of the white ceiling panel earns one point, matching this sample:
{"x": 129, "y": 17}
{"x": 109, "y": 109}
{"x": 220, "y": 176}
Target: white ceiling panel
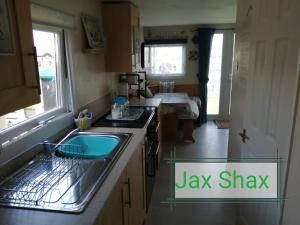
{"x": 185, "y": 12}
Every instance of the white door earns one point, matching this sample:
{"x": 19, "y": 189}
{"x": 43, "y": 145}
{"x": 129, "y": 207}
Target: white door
{"x": 240, "y": 76}
{"x": 271, "y": 90}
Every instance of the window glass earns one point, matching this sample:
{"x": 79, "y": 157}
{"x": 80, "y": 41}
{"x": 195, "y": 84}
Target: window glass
{"x": 165, "y": 60}
{"x": 48, "y": 55}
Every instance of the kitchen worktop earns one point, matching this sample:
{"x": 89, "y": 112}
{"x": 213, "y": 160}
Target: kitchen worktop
{"x": 17, "y": 216}
{"x": 152, "y": 102}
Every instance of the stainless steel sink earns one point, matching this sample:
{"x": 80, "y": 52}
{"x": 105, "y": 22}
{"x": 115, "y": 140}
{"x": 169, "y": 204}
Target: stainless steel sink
{"x": 55, "y": 182}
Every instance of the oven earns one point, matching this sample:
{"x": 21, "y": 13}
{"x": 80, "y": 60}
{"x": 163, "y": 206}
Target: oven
{"x": 151, "y": 157}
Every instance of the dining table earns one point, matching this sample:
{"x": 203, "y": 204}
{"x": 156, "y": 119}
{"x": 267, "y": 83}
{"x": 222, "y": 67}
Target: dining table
{"x": 181, "y": 108}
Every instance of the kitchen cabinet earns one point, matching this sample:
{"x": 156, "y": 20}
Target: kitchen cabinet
{"x": 116, "y": 209}
{"x": 126, "y": 204}
{"x": 19, "y": 86}
{"x": 136, "y": 179}
{"x": 121, "y": 22}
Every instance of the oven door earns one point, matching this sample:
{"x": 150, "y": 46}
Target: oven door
{"x": 150, "y": 167}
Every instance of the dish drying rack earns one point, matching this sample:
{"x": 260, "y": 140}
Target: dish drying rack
{"x": 46, "y": 180}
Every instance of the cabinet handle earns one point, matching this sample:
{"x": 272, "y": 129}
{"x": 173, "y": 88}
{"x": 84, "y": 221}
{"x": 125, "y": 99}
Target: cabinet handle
{"x": 34, "y": 54}
{"x": 129, "y": 193}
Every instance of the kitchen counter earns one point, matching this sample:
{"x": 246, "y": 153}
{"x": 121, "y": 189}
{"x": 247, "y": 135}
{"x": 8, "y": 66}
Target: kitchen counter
{"x": 17, "y": 216}
{"x": 152, "y": 102}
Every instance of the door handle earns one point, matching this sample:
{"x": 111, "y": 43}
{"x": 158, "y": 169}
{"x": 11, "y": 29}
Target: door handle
{"x": 128, "y": 202}
{"x": 244, "y": 136}
{"x": 34, "y": 55}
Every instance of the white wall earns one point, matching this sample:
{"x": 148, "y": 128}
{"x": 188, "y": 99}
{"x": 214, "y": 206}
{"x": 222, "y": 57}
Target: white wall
{"x": 91, "y": 80}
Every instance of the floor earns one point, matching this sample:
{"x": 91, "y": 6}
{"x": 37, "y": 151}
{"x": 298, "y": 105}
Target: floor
{"x": 210, "y": 142}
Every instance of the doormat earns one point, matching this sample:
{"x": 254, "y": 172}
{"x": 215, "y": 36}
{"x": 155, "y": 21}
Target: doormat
{"x": 222, "y": 124}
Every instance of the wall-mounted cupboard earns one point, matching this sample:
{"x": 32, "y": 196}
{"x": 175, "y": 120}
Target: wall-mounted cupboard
{"x": 123, "y": 36}
{"x": 19, "y": 86}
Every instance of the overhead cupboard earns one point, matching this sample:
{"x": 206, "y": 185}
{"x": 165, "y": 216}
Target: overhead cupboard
{"x": 123, "y": 34}
{"x": 19, "y": 86}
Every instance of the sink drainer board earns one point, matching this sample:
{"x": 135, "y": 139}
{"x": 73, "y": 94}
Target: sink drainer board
{"x": 50, "y": 182}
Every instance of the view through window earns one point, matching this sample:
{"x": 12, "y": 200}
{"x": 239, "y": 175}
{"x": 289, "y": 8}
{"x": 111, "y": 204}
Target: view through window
{"x": 46, "y": 43}
{"x": 215, "y": 69}
{"x": 164, "y": 60}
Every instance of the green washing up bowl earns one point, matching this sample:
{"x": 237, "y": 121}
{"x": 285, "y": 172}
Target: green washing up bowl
{"x": 90, "y": 145}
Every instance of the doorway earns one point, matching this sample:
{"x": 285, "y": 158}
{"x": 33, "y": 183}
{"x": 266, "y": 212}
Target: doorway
{"x": 220, "y": 69}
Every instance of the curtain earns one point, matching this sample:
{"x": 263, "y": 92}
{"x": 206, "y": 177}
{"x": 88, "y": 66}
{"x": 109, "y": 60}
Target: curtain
{"x": 203, "y": 39}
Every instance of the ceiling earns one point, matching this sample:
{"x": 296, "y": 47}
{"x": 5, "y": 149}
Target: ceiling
{"x": 185, "y": 12}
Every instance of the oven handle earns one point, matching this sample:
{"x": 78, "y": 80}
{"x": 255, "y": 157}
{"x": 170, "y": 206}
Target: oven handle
{"x": 151, "y": 158}
{"x": 157, "y": 127}
{"x": 157, "y": 148}
{"x": 156, "y": 155}
{"x": 150, "y": 146}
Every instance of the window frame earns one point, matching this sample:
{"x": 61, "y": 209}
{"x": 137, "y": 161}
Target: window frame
{"x": 168, "y": 43}
{"x": 55, "y": 119}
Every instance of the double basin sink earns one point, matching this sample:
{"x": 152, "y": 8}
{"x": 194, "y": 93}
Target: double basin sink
{"x": 66, "y": 175}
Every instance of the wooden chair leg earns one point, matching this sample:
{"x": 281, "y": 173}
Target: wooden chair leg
{"x": 169, "y": 126}
{"x": 188, "y": 128}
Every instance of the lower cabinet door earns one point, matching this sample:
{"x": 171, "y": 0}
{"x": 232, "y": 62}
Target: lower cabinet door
{"x": 136, "y": 179}
{"x": 126, "y": 204}
{"x": 116, "y": 208}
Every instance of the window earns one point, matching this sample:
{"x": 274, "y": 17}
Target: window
{"x": 55, "y": 88}
{"x": 165, "y": 60}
